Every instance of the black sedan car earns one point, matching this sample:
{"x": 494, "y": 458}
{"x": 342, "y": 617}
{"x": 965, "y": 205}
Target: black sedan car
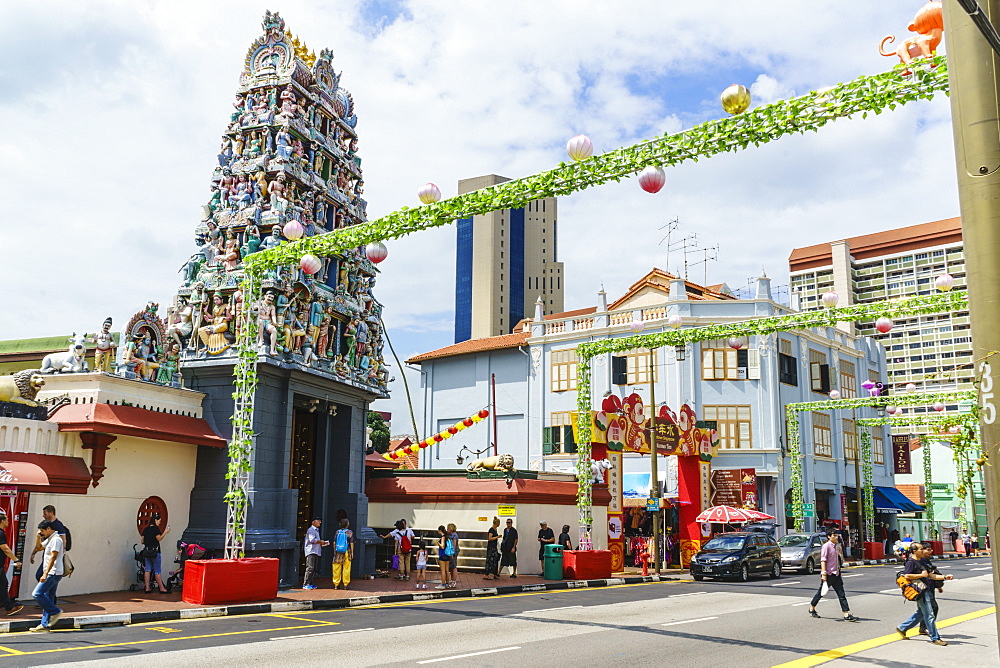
{"x": 738, "y": 555}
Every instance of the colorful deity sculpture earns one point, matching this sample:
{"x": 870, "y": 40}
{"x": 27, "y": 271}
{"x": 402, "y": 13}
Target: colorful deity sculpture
{"x": 288, "y": 153}
{"x": 104, "y": 352}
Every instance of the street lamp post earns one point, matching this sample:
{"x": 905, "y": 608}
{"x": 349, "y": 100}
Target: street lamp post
{"x": 654, "y": 486}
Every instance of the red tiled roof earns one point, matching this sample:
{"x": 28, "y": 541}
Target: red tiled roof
{"x": 661, "y": 279}
{"x": 886, "y": 242}
{"x": 66, "y": 475}
{"x": 914, "y": 493}
{"x": 134, "y": 421}
{"x": 474, "y": 346}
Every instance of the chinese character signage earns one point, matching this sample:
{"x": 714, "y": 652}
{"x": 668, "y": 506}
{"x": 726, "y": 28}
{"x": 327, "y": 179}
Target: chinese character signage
{"x": 615, "y": 482}
{"x": 901, "y": 453}
{"x": 734, "y": 487}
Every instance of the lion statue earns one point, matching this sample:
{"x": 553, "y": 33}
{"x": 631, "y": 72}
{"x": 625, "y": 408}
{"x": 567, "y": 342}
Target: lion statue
{"x": 504, "y": 462}
{"x": 21, "y": 387}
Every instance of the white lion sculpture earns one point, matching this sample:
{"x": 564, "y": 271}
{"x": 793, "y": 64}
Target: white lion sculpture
{"x": 597, "y": 469}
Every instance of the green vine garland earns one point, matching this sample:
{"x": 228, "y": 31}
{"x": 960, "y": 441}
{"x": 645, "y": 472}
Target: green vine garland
{"x": 809, "y": 112}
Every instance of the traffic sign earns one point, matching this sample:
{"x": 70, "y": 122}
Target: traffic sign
{"x": 808, "y": 513}
{"x": 805, "y": 506}
{"x": 652, "y": 505}
{"x": 808, "y": 506}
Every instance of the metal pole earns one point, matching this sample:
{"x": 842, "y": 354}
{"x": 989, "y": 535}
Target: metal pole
{"x": 654, "y": 486}
{"x": 493, "y": 401}
{"x": 974, "y": 80}
{"x": 859, "y": 484}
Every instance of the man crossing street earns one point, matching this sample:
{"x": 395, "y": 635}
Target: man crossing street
{"x": 830, "y": 571}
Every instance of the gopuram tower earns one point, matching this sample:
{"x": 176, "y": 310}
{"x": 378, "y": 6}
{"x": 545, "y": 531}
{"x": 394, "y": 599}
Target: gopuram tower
{"x": 287, "y": 168}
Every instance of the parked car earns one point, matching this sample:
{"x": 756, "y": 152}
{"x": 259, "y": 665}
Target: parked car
{"x": 801, "y": 551}
{"x": 738, "y": 555}
{"x": 770, "y": 528}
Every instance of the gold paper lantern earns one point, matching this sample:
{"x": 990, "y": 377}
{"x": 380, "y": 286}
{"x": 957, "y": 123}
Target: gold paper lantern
{"x": 736, "y": 99}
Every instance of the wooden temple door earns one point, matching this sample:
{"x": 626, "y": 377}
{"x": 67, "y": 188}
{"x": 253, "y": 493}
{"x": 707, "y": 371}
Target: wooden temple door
{"x": 301, "y": 471}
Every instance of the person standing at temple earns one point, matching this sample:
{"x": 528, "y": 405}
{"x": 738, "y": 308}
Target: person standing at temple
{"x": 313, "y": 547}
{"x": 564, "y": 541}
{"x": 10, "y": 606}
{"x": 492, "y": 571}
{"x": 343, "y": 555}
{"x": 508, "y": 548}
{"x": 546, "y": 536}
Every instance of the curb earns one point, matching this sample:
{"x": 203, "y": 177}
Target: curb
{"x": 127, "y": 618}
{"x": 877, "y": 562}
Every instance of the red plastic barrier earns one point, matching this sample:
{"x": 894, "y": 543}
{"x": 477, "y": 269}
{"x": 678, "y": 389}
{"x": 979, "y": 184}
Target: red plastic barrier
{"x": 586, "y": 564}
{"x": 210, "y": 581}
{"x": 874, "y": 550}
{"x": 938, "y": 546}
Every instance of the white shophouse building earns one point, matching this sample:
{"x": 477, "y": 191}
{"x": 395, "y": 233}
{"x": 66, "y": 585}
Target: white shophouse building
{"x": 532, "y": 373}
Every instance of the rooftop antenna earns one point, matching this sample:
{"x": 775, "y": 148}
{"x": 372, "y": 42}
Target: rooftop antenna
{"x": 708, "y": 255}
{"x": 671, "y": 227}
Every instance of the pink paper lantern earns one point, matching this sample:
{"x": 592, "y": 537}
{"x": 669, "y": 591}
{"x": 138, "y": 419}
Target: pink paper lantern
{"x": 293, "y": 230}
{"x": 954, "y": 429}
{"x": 910, "y": 387}
{"x": 830, "y": 299}
{"x": 883, "y": 325}
{"x": 429, "y": 193}
{"x": 938, "y": 406}
{"x": 310, "y": 264}
{"x": 835, "y": 394}
{"x": 944, "y": 282}
{"x": 736, "y": 342}
{"x": 652, "y": 178}
{"x": 376, "y": 251}
{"x": 580, "y": 147}
{"x": 675, "y": 321}
{"x": 891, "y": 410}
{"x": 637, "y": 326}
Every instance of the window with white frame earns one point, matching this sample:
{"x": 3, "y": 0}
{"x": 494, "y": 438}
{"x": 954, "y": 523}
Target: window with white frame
{"x": 822, "y": 435}
{"x": 562, "y": 370}
{"x": 721, "y": 362}
{"x": 733, "y": 424}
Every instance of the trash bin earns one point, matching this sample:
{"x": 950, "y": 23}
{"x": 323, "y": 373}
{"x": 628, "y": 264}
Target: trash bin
{"x": 553, "y": 566}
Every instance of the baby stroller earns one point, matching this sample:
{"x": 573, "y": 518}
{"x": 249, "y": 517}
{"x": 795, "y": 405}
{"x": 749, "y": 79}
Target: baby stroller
{"x": 185, "y": 551}
{"x": 140, "y": 575}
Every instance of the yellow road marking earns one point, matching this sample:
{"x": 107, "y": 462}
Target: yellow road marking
{"x": 12, "y": 651}
{"x": 154, "y": 640}
{"x": 864, "y": 645}
{"x": 163, "y": 629}
{"x": 299, "y": 619}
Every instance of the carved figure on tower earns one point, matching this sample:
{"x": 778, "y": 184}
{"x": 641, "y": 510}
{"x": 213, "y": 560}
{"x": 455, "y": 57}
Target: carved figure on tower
{"x": 104, "y": 353}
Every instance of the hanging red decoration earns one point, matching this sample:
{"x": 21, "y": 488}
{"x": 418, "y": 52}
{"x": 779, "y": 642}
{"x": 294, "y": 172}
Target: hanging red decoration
{"x": 376, "y": 251}
{"x": 437, "y": 438}
{"x": 652, "y": 178}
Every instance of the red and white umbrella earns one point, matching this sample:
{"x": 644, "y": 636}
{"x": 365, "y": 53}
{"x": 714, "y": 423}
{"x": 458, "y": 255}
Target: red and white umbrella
{"x": 756, "y": 515}
{"x": 724, "y": 515}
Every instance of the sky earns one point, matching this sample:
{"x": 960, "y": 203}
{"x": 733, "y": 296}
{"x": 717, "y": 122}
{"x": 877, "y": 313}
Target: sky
{"x": 113, "y": 113}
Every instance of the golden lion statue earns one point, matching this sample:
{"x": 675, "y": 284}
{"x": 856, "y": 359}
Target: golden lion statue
{"x": 503, "y": 462}
{"x": 21, "y": 387}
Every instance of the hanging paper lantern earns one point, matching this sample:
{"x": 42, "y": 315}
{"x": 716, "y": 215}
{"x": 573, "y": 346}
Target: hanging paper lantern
{"x": 883, "y": 325}
{"x": 483, "y": 413}
{"x": 460, "y": 426}
{"x": 452, "y": 430}
{"x": 910, "y": 387}
{"x": 736, "y": 99}
{"x": 467, "y": 422}
{"x": 580, "y": 147}
{"x": 830, "y": 299}
{"x": 376, "y": 251}
{"x": 675, "y": 321}
{"x": 954, "y": 429}
{"x": 438, "y": 438}
{"x": 736, "y": 342}
{"x": 293, "y": 230}
{"x": 310, "y": 264}
{"x": 652, "y": 178}
{"x": 944, "y": 282}
{"x": 637, "y": 326}
{"x": 429, "y": 193}
{"x": 476, "y": 418}
{"x": 891, "y": 410}
{"x": 835, "y": 394}
{"x": 938, "y": 406}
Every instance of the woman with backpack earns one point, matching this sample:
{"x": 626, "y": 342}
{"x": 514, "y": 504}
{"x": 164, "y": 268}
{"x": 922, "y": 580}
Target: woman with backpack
{"x": 404, "y": 537}
{"x": 453, "y": 538}
{"x": 343, "y": 555}
{"x": 445, "y": 555}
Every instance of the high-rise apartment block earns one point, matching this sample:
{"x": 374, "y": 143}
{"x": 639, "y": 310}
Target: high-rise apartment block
{"x": 932, "y": 351}
{"x": 505, "y": 261}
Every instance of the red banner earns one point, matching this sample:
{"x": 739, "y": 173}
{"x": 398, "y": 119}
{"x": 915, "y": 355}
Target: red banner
{"x": 901, "y": 453}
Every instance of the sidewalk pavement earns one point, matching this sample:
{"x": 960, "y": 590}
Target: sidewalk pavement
{"x": 121, "y": 608}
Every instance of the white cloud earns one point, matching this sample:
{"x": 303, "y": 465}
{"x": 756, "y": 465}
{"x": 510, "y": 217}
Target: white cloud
{"x": 113, "y": 124}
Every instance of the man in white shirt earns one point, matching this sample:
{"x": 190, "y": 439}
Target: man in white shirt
{"x": 313, "y": 547}
{"x": 52, "y": 572}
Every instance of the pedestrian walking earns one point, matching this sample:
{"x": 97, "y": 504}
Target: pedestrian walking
{"x": 493, "y": 551}
{"x": 831, "y": 577}
{"x": 421, "y": 564}
{"x": 967, "y": 542}
{"x": 49, "y": 515}
{"x": 954, "y": 540}
{"x": 151, "y": 556}
{"x": 8, "y": 605}
{"x": 343, "y": 555}
{"x": 453, "y": 537}
{"x": 975, "y": 545}
{"x": 52, "y": 572}
{"x": 508, "y": 548}
{"x": 313, "y": 546}
{"x": 546, "y": 536}
{"x": 445, "y": 554}
{"x": 564, "y": 541}
{"x": 913, "y": 571}
{"x": 937, "y": 586}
